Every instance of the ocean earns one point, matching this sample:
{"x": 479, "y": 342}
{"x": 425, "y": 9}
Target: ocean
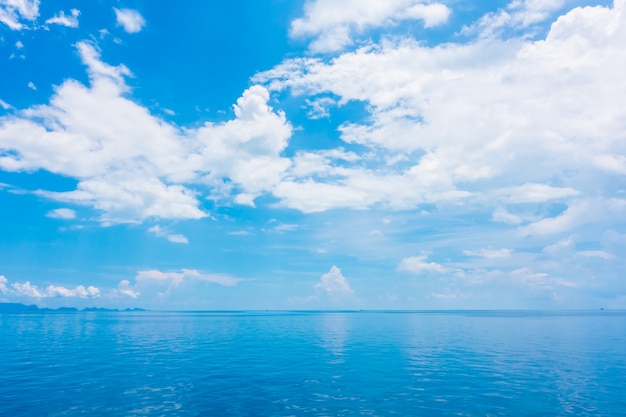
{"x": 457, "y": 363}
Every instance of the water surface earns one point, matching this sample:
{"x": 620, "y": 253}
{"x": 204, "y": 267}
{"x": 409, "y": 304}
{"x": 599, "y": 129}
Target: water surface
{"x": 313, "y": 364}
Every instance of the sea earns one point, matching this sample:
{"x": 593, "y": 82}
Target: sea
{"x": 310, "y": 363}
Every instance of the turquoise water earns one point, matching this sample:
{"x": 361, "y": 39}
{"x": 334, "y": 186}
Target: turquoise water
{"x": 313, "y": 364}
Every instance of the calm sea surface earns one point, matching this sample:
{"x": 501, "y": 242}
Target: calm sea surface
{"x": 313, "y": 364}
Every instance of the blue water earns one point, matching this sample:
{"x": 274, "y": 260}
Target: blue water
{"x": 313, "y": 364}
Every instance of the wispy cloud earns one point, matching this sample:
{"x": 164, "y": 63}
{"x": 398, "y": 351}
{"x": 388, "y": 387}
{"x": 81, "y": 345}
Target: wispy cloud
{"x": 62, "y": 19}
{"x": 62, "y": 213}
{"x": 172, "y": 237}
{"x": 176, "y": 278}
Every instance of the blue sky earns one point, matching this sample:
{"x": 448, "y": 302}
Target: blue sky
{"x": 318, "y": 154}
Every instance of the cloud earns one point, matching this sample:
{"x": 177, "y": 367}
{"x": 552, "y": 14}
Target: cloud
{"x": 62, "y": 213}
{"x": 319, "y": 108}
{"x": 518, "y": 14}
{"x": 286, "y": 227}
{"x": 129, "y": 19}
{"x": 562, "y": 244}
{"x": 334, "y": 284}
{"x": 176, "y": 278}
{"x": 507, "y": 120}
{"x": 534, "y": 193}
{"x": 60, "y": 18}
{"x": 418, "y": 265}
{"x": 32, "y": 86}
{"x": 174, "y": 238}
{"x": 501, "y": 215}
{"x": 490, "y": 253}
{"x": 13, "y": 13}
{"x": 332, "y": 24}
{"x": 576, "y": 214}
{"x": 596, "y": 254}
{"x": 3, "y": 284}
{"x": 124, "y": 288}
{"x": 5, "y": 105}
{"x": 97, "y": 135}
{"x": 29, "y": 290}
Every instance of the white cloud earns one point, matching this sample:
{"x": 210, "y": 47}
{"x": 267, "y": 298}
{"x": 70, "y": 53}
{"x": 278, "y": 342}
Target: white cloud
{"x": 534, "y": 193}
{"x": 79, "y": 291}
{"x": 596, "y": 254}
{"x": 19, "y": 45}
{"x": 332, "y": 23}
{"x": 124, "y": 288}
{"x": 247, "y": 149}
{"x": 501, "y": 215}
{"x": 62, "y": 19}
{"x": 176, "y": 278}
{"x": 130, "y": 20}
{"x": 177, "y": 238}
{"x": 62, "y": 213}
{"x": 174, "y": 238}
{"x": 239, "y": 233}
{"x": 519, "y": 14}
{"x": 3, "y": 284}
{"x": 14, "y": 12}
{"x": 575, "y": 215}
{"x": 418, "y": 265}
{"x": 490, "y": 253}
{"x": 32, "y": 86}
{"x": 319, "y": 107}
{"x": 97, "y": 135}
{"x": 27, "y": 289}
{"x": 565, "y": 243}
{"x": 334, "y": 284}
{"x": 286, "y": 227}
{"x": 5, "y": 105}
{"x": 474, "y": 120}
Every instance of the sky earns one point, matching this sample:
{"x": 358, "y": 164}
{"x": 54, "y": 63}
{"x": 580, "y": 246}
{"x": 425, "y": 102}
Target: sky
{"x": 313, "y": 154}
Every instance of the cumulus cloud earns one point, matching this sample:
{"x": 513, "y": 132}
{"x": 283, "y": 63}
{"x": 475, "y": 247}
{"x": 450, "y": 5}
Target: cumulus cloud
{"x": 17, "y": 14}
{"x": 62, "y": 19}
{"x": 129, "y": 19}
{"x": 97, "y": 135}
{"x": 418, "y": 265}
{"x": 172, "y": 237}
{"x": 125, "y": 289}
{"x": 62, "y": 213}
{"x": 26, "y": 289}
{"x": 334, "y": 284}
{"x": 497, "y": 120}
{"x": 332, "y": 23}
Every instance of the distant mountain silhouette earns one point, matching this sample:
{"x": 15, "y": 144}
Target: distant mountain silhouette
{"x": 23, "y": 308}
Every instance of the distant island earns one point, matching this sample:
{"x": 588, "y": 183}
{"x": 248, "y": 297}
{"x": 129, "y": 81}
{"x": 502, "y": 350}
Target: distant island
{"x": 23, "y": 308}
